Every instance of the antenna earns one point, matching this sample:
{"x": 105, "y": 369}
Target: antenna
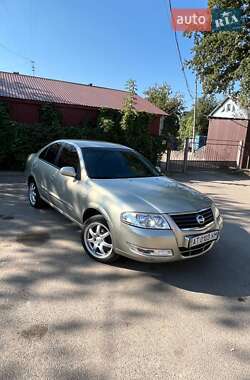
{"x": 33, "y": 67}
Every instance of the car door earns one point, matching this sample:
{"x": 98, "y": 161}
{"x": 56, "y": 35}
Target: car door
{"x": 46, "y": 170}
{"x": 69, "y": 189}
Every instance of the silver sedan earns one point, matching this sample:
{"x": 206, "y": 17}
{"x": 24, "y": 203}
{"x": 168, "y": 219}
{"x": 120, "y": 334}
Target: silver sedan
{"x": 123, "y": 204}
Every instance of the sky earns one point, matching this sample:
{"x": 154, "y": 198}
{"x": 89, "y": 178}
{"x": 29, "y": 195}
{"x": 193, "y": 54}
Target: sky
{"x": 104, "y": 42}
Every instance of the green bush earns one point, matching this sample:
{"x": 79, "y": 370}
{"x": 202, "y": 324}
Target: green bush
{"x": 131, "y": 130}
{"x": 18, "y": 140}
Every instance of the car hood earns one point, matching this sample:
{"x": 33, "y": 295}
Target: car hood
{"x": 154, "y": 194}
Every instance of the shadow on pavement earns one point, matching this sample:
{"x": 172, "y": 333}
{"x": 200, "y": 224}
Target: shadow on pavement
{"x": 226, "y": 176}
{"x": 47, "y": 269}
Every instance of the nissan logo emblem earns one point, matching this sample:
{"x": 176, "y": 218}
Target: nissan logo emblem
{"x": 200, "y": 219}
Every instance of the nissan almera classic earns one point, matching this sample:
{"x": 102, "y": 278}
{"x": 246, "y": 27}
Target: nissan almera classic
{"x": 123, "y": 205}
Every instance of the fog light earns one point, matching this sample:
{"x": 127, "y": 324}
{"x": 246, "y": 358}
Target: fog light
{"x": 150, "y": 251}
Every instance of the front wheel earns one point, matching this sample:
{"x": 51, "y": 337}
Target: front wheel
{"x": 97, "y": 240}
{"x": 34, "y": 196}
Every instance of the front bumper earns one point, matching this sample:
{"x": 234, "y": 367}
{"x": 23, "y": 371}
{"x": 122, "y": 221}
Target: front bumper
{"x": 143, "y": 244}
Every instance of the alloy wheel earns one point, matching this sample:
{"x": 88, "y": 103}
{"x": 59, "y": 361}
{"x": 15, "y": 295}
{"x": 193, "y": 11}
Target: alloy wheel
{"x": 32, "y": 193}
{"x": 98, "y": 240}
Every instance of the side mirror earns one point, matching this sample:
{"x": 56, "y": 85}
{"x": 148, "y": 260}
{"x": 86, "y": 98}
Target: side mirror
{"x": 68, "y": 171}
{"x": 159, "y": 170}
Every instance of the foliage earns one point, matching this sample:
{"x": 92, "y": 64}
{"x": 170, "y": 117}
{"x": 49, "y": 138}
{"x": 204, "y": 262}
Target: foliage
{"x": 109, "y": 122}
{"x": 135, "y": 127}
{"x": 222, "y": 59}
{"x": 18, "y": 140}
{"x": 186, "y": 126}
{"x": 163, "y": 97}
{"x": 6, "y": 134}
{"x": 205, "y": 105}
{"x": 50, "y": 115}
{"x": 129, "y": 113}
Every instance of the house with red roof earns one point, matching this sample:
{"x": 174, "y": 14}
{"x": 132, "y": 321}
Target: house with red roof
{"x": 77, "y": 102}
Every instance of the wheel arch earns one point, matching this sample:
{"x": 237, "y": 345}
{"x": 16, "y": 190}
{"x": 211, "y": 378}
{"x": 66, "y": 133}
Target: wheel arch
{"x": 30, "y": 178}
{"x": 90, "y": 212}
{"x": 94, "y": 209}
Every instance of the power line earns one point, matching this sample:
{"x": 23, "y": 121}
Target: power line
{"x": 15, "y": 53}
{"x": 179, "y": 54}
{"x": 32, "y": 62}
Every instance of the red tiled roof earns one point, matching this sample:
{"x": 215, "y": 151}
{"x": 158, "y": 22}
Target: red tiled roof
{"x": 27, "y": 87}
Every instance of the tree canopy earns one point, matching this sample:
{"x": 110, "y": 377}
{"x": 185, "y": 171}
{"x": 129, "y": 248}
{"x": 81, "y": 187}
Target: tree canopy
{"x": 222, "y": 59}
{"x": 205, "y": 105}
{"x": 130, "y": 127}
{"x": 163, "y": 97}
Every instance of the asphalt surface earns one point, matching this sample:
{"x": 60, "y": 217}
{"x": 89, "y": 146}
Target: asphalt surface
{"x": 64, "y": 316}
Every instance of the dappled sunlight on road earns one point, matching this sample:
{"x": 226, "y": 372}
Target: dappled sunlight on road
{"x": 65, "y": 316}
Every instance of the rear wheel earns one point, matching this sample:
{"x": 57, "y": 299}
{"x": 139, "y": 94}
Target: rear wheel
{"x": 97, "y": 239}
{"x": 34, "y": 196}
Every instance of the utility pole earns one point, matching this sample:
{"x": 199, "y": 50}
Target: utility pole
{"x": 33, "y": 67}
{"x": 195, "y": 100}
{"x": 194, "y": 116}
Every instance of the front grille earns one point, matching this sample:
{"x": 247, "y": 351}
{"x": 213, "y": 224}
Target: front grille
{"x": 186, "y": 252}
{"x": 190, "y": 220}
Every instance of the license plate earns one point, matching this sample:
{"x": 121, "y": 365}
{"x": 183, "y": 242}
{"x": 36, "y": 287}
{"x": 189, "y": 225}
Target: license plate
{"x": 201, "y": 239}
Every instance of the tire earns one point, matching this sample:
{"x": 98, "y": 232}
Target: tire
{"x": 34, "y": 196}
{"x": 97, "y": 240}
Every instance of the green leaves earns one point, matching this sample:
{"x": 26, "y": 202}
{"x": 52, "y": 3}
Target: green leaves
{"x": 134, "y": 127}
{"x": 222, "y": 59}
{"x": 129, "y": 112}
{"x": 163, "y": 97}
{"x": 50, "y": 115}
{"x": 186, "y": 126}
{"x": 204, "y": 107}
{"x": 127, "y": 127}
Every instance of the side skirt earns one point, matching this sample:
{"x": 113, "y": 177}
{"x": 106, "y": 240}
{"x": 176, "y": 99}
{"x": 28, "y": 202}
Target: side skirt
{"x": 62, "y": 212}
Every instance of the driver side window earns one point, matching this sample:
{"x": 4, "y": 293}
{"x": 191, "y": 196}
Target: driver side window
{"x": 50, "y": 153}
{"x": 69, "y": 157}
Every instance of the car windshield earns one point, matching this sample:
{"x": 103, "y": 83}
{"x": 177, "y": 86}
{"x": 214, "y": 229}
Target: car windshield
{"x": 103, "y": 163}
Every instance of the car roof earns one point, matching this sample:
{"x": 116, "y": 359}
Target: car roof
{"x": 93, "y": 144}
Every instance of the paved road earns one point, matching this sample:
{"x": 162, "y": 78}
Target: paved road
{"x": 63, "y": 316}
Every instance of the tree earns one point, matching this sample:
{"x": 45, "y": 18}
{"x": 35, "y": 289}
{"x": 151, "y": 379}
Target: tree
{"x": 205, "y": 105}
{"x": 135, "y": 124}
{"x": 222, "y": 59}
{"x": 135, "y": 127}
{"x": 49, "y": 115}
{"x": 129, "y": 112}
{"x": 6, "y": 136}
{"x": 163, "y": 97}
{"x": 186, "y": 126}
{"x": 109, "y": 122}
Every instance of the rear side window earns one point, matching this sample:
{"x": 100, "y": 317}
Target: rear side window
{"x": 69, "y": 157}
{"x": 49, "y": 154}
{"x": 43, "y": 154}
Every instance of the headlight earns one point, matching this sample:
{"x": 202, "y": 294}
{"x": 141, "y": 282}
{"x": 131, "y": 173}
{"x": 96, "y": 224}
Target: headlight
{"x": 137, "y": 219}
{"x": 216, "y": 212}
